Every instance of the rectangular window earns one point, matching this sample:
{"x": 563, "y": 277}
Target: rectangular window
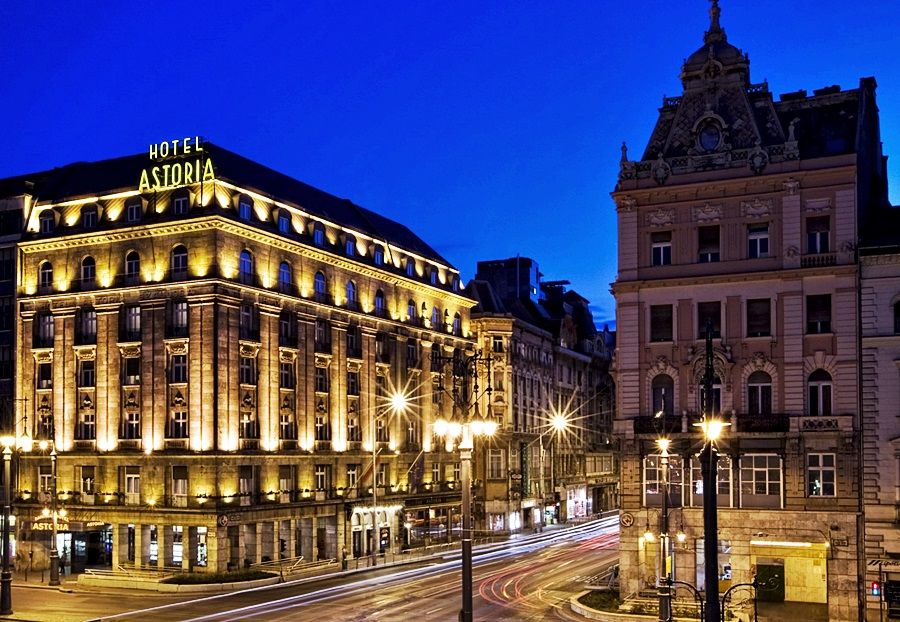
{"x": 132, "y": 485}
{"x": 87, "y": 325}
{"x": 7, "y": 263}
{"x": 723, "y": 482}
{"x": 45, "y": 375}
{"x": 287, "y": 429}
{"x": 708, "y": 244}
{"x": 709, "y": 314}
{"x": 759, "y": 317}
{"x": 761, "y": 480}
{"x": 661, "y": 248}
{"x": 247, "y": 370}
{"x": 381, "y": 475}
{"x": 86, "y": 375}
{"x": 323, "y": 476}
{"x": 248, "y": 428}
{"x": 180, "y": 317}
{"x": 496, "y": 464}
{"x": 88, "y": 480}
{"x": 759, "y": 397}
{"x": 178, "y": 427}
{"x": 179, "y": 369}
{"x": 661, "y": 323}
{"x": 321, "y": 380}
{"x": 381, "y": 431}
{"x": 287, "y": 476}
{"x": 352, "y": 475}
{"x": 45, "y": 478}
{"x": 352, "y": 383}
{"x": 412, "y": 353}
{"x": 131, "y": 370}
{"x": 179, "y": 486}
{"x": 818, "y": 314}
{"x": 284, "y": 223}
{"x": 757, "y": 241}
{"x": 354, "y": 434}
{"x": 654, "y": 482}
{"x": 180, "y": 206}
{"x": 244, "y": 210}
{"x": 131, "y": 425}
{"x": 323, "y": 429}
{"x": 286, "y": 375}
{"x": 246, "y": 483}
{"x": 820, "y": 475}
{"x": 248, "y": 323}
{"x": 286, "y": 333}
{"x": 86, "y": 429}
{"x": 45, "y": 330}
{"x": 818, "y": 234}
{"x": 133, "y": 211}
{"x": 132, "y": 323}
{"x": 497, "y": 343}
{"x": 322, "y": 338}
{"x": 353, "y": 342}
{"x": 436, "y": 472}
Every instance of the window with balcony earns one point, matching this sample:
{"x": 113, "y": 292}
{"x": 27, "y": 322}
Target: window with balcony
{"x": 86, "y": 374}
{"x": 709, "y": 314}
{"x": 88, "y": 272}
{"x": 132, "y": 267}
{"x": 179, "y": 486}
{"x": 178, "y": 262}
{"x": 708, "y": 244}
{"x": 45, "y": 276}
{"x": 759, "y": 393}
{"x": 286, "y": 375}
{"x": 819, "y": 393}
{"x": 758, "y": 241}
{"x": 821, "y": 475}
{"x": 131, "y": 371}
{"x": 818, "y": 234}
{"x": 759, "y": 317}
{"x": 661, "y": 323}
{"x": 662, "y": 389}
{"x": 132, "y": 485}
{"x": 247, "y": 370}
{"x": 661, "y": 248}
{"x": 818, "y": 314}
{"x": 178, "y": 424}
{"x": 761, "y": 481}
{"x": 245, "y": 268}
{"x": 285, "y": 278}
{"x": 179, "y": 369}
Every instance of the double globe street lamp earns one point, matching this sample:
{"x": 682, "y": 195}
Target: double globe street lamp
{"x": 10, "y": 444}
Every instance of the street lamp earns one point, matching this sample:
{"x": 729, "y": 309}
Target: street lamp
{"x": 397, "y": 403}
{"x": 465, "y": 428}
{"x": 709, "y": 456}
{"x": 8, "y": 443}
{"x": 54, "y": 513}
{"x": 664, "y": 590}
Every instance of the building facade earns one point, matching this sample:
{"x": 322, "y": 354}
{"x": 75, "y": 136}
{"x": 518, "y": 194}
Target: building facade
{"x": 549, "y": 359}
{"x": 743, "y": 215}
{"x": 213, "y": 349}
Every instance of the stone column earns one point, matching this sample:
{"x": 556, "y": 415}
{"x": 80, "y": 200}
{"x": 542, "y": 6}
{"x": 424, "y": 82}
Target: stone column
{"x": 189, "y": 541}
{"x": 63, "y": 376}
{"x": 268, "y": 384}
{"x": 314, "y": 531}
{"x": 367, "y": 402}
{"x": 142, "y": 545}
{"x": 425, "y": 405}
{"x": 119, "y": 545}
{"x": 306, "y": 381}
{"x": 217, "y": 549}
{"x": 202, "y": 373}
{"x": 108, "y": 391}
{"x": 227, "y": 337}
{"x": 154, "y": 383}
{"x": 338, "y": 393}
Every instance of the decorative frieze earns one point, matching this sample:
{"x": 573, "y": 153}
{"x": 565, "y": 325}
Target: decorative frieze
{"x": 757, "y": 208}
{"x": 661, "y": 218}
{"x": 708, "y": 213}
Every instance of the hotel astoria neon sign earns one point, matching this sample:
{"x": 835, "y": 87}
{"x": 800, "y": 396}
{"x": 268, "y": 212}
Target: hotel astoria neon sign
{"x": 176, "y": 163}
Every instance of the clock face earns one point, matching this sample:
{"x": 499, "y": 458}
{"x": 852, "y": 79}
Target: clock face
{"x": 710, "y": 136}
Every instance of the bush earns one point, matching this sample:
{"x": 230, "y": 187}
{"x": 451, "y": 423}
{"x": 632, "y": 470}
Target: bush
{"x": 202, "y": 578}
{"x": 602, "y": 600}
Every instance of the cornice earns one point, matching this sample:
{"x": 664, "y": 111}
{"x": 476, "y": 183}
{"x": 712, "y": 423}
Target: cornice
{"x": 620, "y": 287}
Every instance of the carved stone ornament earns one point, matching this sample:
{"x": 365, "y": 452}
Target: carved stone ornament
{"x": 661, "y": 217}
{"x": 791, "y": 186}
{"x": 354, "y": 366}
{"x": 757, "y": 208}
{"x": 286, "y": 355}
{"x": 86, "y": 353}
{"x": 178, "y": 399}
{"x": 130, "y": 351}
{"x": 247, "y": 400}
{"x": 626, "y": 204}
{"x": 660, "y": 170}
{"x": 323, "y": 360}
{"x": 287, "y": 404}
{"x": 708, "y": 213}
{"x": 86, "y": 402}
{"x": 792, "y": 251}
{"x": 758, "y": 159}
{"x": 177, "y": 347}
{"x": 818, "y": 205}
{"x": 249, "y": 349}
{"x": 131, "y": 401}
{"x": 721, "y": 367}
{"x": 759, "y": 360}
{"x": 43, "y": 356}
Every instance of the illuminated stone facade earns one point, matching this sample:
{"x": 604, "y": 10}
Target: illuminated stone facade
{"x": 214, "y": 362}
{"x": 744, "y": 213}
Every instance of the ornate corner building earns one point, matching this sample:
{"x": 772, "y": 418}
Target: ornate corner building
{"x": 212, "y": 347}
{"x": 744, "y": 214}
{"x": 549, "y": 360}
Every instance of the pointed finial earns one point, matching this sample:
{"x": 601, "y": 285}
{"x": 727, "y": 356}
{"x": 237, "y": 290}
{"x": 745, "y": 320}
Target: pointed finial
{"x": 715, "y": 32}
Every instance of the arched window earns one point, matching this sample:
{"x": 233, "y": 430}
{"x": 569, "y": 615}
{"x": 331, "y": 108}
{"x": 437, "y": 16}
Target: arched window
{"x": 435, "y": 317}
{"x": 88, "y": 272}
{"x": 662, "y": 399}
{"x": 352, "y": 300}
{"x": 46, "y": 221}
{"x": 178, "y": 262}
{"x": 457, "y": 325}
{"x": 245, "y": 267}
{"x": 320, "y": 285}
{"x": 285, "y": 278}
{"x": 759, "y": 393}
{"x": 411, "y": 310}
{"x": 819, "y": 392}
{"x": 379, "y": 303}
{"x": 132, "y": 266}
{"x": 45, "y": 275}
{"x": 446, "y": 320}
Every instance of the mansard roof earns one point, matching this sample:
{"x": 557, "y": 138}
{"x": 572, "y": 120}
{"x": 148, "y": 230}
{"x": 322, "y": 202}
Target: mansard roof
{"x": 87, "y": 179}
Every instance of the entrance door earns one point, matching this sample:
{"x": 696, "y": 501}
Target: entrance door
{"x": 771, "y": 582}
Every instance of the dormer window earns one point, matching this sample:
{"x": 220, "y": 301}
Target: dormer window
{"x": 350, "y": 246}
{"x": 180, "y": 206}
{"x": 89, "y": 217}
{"x": 284, "y": 222}
{"x": 244, "y": 209}
{"x": 319, "y": 235}
{"x": 47, "y": 222}
{"x": 710, "y": 136}
{"x": 434, "y": 276}
{"x": 133, "y": 211}
{"x": 410, "y": 267}
{"x": 378, "y": 256}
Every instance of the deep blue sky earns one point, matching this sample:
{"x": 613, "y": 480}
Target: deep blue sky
{"x": 490, "y": 128}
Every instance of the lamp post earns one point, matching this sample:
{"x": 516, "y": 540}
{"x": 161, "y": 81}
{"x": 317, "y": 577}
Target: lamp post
{"x": 6, "y": 575}
{"x": 54, "y": 514}
{"x": 466, "y": 428}
{"x": 558, "y": 424}
{"x": 709, "y": 457}
{"x": 398, "y": 404}
{"x": 664, "y": 589}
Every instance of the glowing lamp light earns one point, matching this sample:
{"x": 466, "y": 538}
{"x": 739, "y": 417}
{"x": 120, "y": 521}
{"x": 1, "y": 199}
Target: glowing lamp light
{"x": 712, "y": 428}
{"x": 151, "y": 502}
{"x": 43, "y": 445}
{"x": 62, "y": 513}
{"x": 559, "y": 422}
{"x": 398, "y": 402}
{"x": 7, "y": 441}
{"x": 45, "y": 512}
{"x": 663, "y": 444}
{"x": 648, "y": 536}
{"x": 454, "y": 429}
{"x": 681, "y": 536}
{"x": 440, "y": 427}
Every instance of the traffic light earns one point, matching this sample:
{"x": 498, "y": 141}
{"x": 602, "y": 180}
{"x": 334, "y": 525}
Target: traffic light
{"x": 876, "y": 588}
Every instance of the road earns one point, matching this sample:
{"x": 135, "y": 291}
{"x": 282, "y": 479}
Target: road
{"x": 527, "y": 579}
